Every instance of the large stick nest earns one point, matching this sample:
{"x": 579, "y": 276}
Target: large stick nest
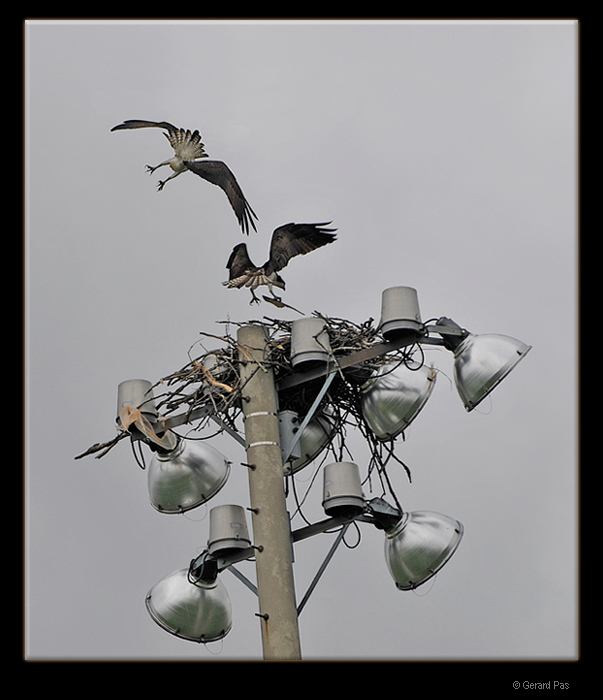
{"x": 211, "y": 380}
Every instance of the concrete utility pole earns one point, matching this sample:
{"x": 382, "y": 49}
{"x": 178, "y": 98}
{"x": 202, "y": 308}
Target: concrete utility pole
{"x": 271, "y": 529}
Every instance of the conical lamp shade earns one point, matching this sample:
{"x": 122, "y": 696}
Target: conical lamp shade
{"x": 419, "y": 545}
{"x": 316, "y": 436}
{"x": 189, "y": 609}
{"x": 186, "y": 477}
{"x": 481, "y": 362}
{"x": 392, "y": 399}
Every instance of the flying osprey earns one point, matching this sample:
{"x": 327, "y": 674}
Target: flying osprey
{"x": 187, "y": 150}
{"x": 287, "y": 241}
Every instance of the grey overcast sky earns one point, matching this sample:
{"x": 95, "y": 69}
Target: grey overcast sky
{"x": 445, "y": 154}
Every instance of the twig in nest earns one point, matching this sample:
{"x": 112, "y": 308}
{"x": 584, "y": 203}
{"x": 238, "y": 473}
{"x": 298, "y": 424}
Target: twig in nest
{"x": 212, "y": 380}
{"x": 104, "y": 446}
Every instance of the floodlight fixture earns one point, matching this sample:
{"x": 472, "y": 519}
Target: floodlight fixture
{"x": 186, "y": 477}
{"x": 481, "y": 362}
{"x": 315, "y": 437}
{"x": 393, "y": 397}
{"x": 419, "y": 545}
{"x": 192, "y": 603}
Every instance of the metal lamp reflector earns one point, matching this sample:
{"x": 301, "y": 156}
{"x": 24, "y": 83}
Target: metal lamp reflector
{"x": 191, "y": 609}
{"x": 186, "y": 477}
{"x": 481, "y": 362}
{"x": 392, "y": 399}
{"x": 419, "y": 545}
{"x": 315, "y": 437}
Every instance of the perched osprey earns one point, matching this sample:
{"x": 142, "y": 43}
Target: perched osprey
{"x": 187, "y": 150}
{"x": 287, "y": 241}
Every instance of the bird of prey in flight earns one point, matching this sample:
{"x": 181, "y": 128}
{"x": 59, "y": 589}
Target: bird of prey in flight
{"x": 287, "y": 241}
{"x": 188, "y": 152}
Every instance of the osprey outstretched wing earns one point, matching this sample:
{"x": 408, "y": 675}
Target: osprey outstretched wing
{"x": 188, "y": 150}
{"x": 287, "y": 241}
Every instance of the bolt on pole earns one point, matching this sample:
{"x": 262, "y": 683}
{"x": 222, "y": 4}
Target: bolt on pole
{"x": 270, "y": 520}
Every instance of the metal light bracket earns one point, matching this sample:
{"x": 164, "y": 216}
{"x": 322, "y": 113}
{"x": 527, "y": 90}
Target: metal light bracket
{"x": 308, "y": 417}
{"x": 377, "y": 512}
